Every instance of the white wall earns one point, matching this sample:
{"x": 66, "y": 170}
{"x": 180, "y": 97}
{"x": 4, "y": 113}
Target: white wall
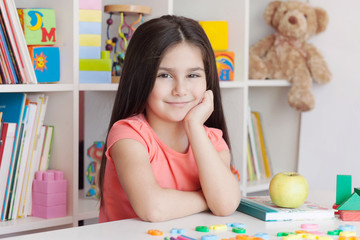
{"x": 329, "y": 137}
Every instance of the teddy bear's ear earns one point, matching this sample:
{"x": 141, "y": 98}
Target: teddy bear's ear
{"x": 270, "y": 11}
{"x": 322, "y": 19}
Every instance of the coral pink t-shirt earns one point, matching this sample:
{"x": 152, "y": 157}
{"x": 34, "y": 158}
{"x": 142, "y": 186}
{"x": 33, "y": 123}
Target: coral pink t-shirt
{"x": 171, "y": 169}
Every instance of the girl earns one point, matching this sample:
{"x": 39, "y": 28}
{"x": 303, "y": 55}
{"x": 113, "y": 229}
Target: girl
{"x": 167, "y": 152}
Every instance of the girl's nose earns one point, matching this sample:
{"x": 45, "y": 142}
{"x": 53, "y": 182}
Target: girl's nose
{"x": 180, "y": 88}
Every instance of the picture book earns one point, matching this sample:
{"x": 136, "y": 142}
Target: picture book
{"x": 12, "y": 105}
{"x": 5, "y": 164}
{"x": 17, "y": 41}
{"x": 262, "y": 208}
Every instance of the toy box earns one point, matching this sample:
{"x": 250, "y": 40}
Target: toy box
{"x": 225, "y": 65}
{"x": 39, "y": 25}
{"x": 46, "y": 61}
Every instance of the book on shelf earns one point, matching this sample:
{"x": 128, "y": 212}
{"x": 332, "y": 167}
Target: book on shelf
{"x": 262, "y": 208}
{"x": 12, "y": 105}
{"x": 253, "y": 147}
{"x": 27, "y": 150}
{"x": 45, "y": 156}
{"x": 14, "y": 52}
{"x": 7, "y": 60}
{"x": 258, "y": 162}
{"x": 40, "y": 100}
{"x": 261, "y": 145}
{"x": 10, "y": 129}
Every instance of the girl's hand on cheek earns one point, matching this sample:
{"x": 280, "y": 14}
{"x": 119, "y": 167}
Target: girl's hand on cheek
{"x": 201, "y": 112}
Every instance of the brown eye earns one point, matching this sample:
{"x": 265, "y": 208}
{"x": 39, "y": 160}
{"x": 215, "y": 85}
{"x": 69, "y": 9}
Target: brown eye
{"x": 285, "y": 12}
{"x": 305, "y": 15}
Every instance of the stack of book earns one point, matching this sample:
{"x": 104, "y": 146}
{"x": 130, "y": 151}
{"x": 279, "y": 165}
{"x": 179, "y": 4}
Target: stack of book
{"x": 15, "y": 62}
{"x": 258, "y": 162}
{"x": 262, "y": 208}
{"x": 24, "y": 148}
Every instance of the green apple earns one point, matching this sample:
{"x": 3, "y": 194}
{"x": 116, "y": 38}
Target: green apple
{"x": 288, "y": 189}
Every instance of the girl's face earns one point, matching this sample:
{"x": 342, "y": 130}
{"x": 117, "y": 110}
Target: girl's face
{"x": 180, "y": 84}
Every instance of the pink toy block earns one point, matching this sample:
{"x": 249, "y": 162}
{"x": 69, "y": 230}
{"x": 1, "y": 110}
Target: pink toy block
{"x": 49, "y": 200}
{"x": 49, "y": 182}
{"x": 349, "y": 215}
{"x": 90, "y": 4}
{"x": 49, "y": 194}
{"x": 49, "y": 212}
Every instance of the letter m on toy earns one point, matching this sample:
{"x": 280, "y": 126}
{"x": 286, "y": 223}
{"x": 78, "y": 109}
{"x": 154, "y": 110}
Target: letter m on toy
{"x": 48, "y": 35}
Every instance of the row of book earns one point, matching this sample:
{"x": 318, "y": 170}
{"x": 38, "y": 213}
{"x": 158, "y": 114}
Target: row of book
{"x": 258, "y": 161}
{"x": 15, "y": 61}
{"x": 24, "y": 148}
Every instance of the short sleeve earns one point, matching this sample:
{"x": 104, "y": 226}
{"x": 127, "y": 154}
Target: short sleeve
{"x": 216, "y": 137}
{"x": 125, "y": 129}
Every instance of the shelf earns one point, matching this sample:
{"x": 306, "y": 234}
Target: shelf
{"x": 256, "y": 186}
{"x": 268, "y": 83}
{"x": 88, "y": 208}
{"x": 36, "y": 87}
{"x": 32, "y": 223}
{"x": 98, "y": 87}
{"x": 231, "y": 84}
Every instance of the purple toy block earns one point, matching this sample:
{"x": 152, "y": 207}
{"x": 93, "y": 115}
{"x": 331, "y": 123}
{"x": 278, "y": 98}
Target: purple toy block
{"x": 50, "y": 181}
{"x": 49, "y": 212}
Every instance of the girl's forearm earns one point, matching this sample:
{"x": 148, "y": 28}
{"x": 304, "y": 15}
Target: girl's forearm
{"x": 167, "y": 204}
{"x": 220, "y": 187}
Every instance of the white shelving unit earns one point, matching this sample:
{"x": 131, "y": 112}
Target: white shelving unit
{"x": 63, "y": 110}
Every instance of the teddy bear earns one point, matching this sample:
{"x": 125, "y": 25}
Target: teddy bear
{"x": 286, "y": 54}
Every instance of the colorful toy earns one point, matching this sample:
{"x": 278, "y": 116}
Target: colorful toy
{"x": 202, "y": 229}
{"x": 347, "y": 203}
{"x": 343, "y": 188}
{"x": 309, "y": 226}
{"x": 46, "y": 61}
{"x": 217, "y": 32}
{"x": 95, "y": 70}
{"x": 177, "y": 231}
{"x": 49, "y": 194}
{"x": 94, "y": 153}
{"x": 39, "y": 25}
{"x": 155, "y": 232}
{"x": 209, "y": 237}
{"x": 219, "y": 227}
{"x": 125, "y": 31}
{"x": 344, "y": 232}
{"x": 238, "y": 230}
{"x": 94, "y": 65}
{"x": 183, "y": 237}
{"x": 286, "y": 54}
{"x": 90, "y": 29}
{"x": 225, "y": 65}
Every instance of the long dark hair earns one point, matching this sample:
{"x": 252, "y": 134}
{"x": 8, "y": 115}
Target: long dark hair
{"x": 145, "y": 51}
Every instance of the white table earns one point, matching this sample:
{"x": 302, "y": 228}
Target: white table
{"x": 136, "y": 229}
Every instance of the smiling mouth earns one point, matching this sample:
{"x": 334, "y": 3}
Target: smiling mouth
{"x": 179, "y": 104}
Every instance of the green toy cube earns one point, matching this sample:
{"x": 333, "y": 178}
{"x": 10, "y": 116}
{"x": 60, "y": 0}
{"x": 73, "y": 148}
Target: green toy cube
{"x": 39, "y": 25}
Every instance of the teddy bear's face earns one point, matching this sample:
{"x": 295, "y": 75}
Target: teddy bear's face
{"x": 295, "y": 20}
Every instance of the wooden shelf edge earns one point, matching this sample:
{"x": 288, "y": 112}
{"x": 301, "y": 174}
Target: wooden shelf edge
{"x": 115, "y": 8}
